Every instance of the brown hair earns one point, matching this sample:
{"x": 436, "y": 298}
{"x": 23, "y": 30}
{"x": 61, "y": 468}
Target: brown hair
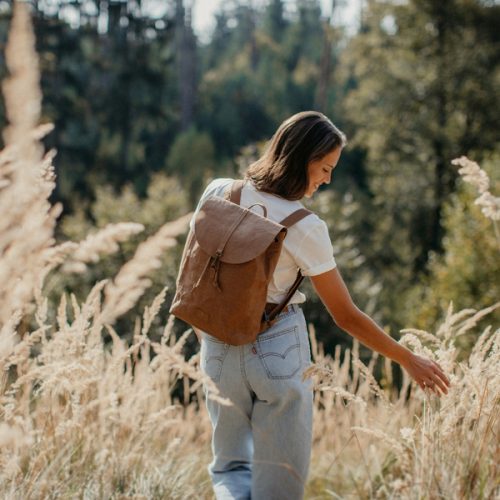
{"x": 300, "y": 139}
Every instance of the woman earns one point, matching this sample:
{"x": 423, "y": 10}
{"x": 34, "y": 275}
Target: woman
{"x": 262, "y": 443}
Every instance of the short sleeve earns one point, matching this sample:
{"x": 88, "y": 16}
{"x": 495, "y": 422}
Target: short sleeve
{"x": 315, "y": 253}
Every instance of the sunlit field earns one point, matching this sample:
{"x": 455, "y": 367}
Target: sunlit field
{"x": 86, "y": 414}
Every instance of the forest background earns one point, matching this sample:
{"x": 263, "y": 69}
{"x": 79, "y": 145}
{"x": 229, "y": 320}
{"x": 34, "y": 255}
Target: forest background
{"x": 146, "y": 114}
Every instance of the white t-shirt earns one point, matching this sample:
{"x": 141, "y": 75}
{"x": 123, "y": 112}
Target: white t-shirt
{"x": 307, "y": 245}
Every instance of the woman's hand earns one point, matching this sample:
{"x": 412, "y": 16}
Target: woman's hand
{"x": 426, "y": 373}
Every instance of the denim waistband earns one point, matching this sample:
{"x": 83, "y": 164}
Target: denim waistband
{"x": 292, "y": 309}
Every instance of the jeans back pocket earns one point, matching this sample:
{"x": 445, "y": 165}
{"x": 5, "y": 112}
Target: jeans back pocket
{"x": 280, "y": 353}
{"x": 213, "y": 353}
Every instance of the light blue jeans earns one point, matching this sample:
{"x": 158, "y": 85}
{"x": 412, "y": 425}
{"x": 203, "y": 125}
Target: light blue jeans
{"x": 262, "y": 443}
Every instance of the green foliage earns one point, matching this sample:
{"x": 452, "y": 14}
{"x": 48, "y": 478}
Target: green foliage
{"x": 467, "y": 273}
{"x": 110, "y": 97}
{"x": 165, "y": 200}
{"x": 192, "y": 159}
{"x": 275, "y": 23}
{"x": 259, "y": 68}
{"x": 421, "y": 86}
{"x": 416, "y": 105}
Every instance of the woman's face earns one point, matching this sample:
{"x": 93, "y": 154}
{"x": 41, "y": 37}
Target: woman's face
{"x": 320, "y": 171}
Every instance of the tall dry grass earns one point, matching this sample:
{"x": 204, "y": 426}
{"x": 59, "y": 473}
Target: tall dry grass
{"x": 374, "y": 442}
{"x": 77, "y": 417}
{"x": 81, "y": 419}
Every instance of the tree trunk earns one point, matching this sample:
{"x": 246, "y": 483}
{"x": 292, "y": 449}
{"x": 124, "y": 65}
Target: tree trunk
{"x": 321, "y": 98}
{"x": 185, "y": 42}
{"x": 440, "y": 181}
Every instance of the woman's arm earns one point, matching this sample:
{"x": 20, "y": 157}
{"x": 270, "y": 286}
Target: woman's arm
{"x": 334, "y": 294}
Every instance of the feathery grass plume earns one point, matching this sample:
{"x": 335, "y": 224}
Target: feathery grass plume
{"x": 373, "y": 384}
{"x": 103, "y": 242}
{"x": 8, "y": 339}
{"x": 454, "y": 443}
{"x": 53, "y": 257}
{"x": 131, "y": 281}
{"x": 151, "y": 312}
{"x": 91, "y": 411}
{"x": 27, "y": 222}
{"x": 22, "y": 93}
{"x": 341, "y": 403}
{"x": 475, "y": 175}
{"x": 76, "y": 415}
{"x": 396, "y": 445}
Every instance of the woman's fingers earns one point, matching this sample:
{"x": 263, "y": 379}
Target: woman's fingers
{"x": 441, "y": 374}
{"x": 441, "y": 379}
{"x": 433, "y": 387}
{"x": 439, "y": 383}
{"x": 442, "y": 383}
{"x": 432, "y": 377}
{"x": 435, "y": 381}
{"x": 429, "y": 386}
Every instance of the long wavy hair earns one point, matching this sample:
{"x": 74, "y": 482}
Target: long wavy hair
{"x": 300, "y": 139}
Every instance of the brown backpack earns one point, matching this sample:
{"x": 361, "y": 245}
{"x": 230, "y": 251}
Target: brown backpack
{"x": 227, "y": 264}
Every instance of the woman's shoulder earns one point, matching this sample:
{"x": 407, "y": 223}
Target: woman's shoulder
{"x": 216, "y": 187}
{"x": 312, "y": 224}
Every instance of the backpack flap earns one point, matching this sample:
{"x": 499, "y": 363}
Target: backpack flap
{"x": 233, "y": 234}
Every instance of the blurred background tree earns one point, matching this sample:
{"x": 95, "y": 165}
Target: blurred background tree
{"x": 146, "y": 113}
{"x": 425, "y": 85}
{"x": 467, "y": 272}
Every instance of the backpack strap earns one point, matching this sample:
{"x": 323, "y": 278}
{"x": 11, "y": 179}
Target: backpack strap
{"x": 295, "y": 217}
{"x": 235, "y": 193}
{"x": 289, "y": 221}
{"x": 279, "y": 307}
